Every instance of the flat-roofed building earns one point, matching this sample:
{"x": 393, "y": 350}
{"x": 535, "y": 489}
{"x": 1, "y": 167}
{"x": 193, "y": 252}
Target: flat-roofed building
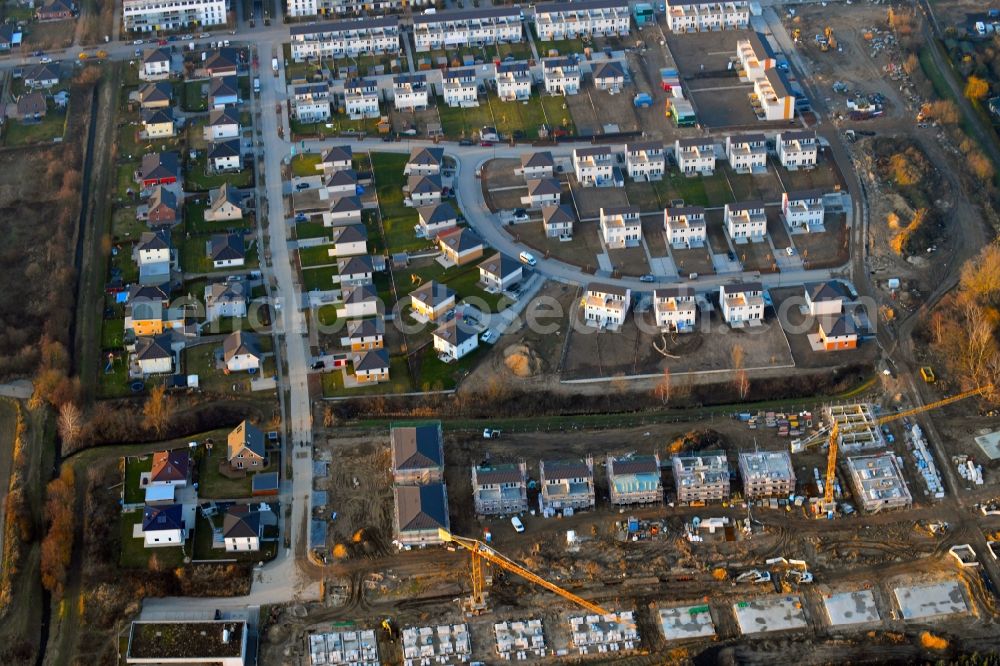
{"x": 755, "y": 56}
{"x": 165, "y": 15}
{"x": 466, "y": 27}
{"x": 675, "y": 308}
{"x": 701, "y": 477}
{"x": 567, "y": 484}
{"x": 746, "y": 152}
{"x": 595, "y": 18}
{"x": 878, "y": 482}
{"x": 340, "y": 39}
{"x": 773, "y": 95}
{"x": 685, "y": 226}
{"x": 500, "y": 489}
{"x": 746, "y": 219}
{"x": 634, "y": 480}
{"x": 216, "y": 642}
{"x": 605, "y": 305}
{"x": 767, "y": 474}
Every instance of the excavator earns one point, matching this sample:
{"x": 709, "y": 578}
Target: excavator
{"x": 826, "y": 505}
{"x": 481, "y": 554}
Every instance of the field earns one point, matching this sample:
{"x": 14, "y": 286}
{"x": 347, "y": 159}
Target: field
{"x": 518, "y": 119}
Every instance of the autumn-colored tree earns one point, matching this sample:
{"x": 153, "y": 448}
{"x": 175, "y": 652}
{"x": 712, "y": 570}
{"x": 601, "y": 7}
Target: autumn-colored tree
{"x": 911, "y": 64}
{"x": 980, "y": 279}
{"x": 904, "y": 171}
{"x": 57, "y": 546}
{"x": 664, "y": 387}
{"x": 158, "y": 410}
{"x": 980, "y": 166}
{"x": 741, "y": 382}
{"x": 737, "y": 355}
{"x": 976, "y": 88}
{"x": 944, "y": 111}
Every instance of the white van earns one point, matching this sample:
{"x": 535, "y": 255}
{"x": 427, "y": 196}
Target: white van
{"x": 518, "y": 525}
{"x": 528, "y": 258}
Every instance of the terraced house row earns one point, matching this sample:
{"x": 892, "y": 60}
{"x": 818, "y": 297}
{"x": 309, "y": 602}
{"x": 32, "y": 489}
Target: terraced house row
{"x": 467, "y": 28}
{"x": 337, "y": 39}
{"x": 594, "y": 18}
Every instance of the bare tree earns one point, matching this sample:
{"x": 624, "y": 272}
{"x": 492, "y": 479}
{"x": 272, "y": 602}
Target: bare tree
{"x": 664, "y": 387}
{"x": 158, "y": 410}
{"x": 741, "y": 382}
{"x": 70, "y": 423}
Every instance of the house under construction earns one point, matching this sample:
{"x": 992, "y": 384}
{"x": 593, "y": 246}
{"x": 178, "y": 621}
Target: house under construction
{"x": 701, "y": 476}
{"x": 878, "y": 482}
{"x": 767, "y": 474}
{"x": 857, "y": 426}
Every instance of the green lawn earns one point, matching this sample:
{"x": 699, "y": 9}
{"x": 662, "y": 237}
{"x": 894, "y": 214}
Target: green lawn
{"x": 134, "y": 468}
{"x": 134, "y": 555}
{"x": 112, "y": 333}
{"x": 123, "y": 261}
{"x": 198, "y": 179}
{"x": 462, "y": 279}
{"x": 318, "y": 255}
{"x": 192, "y": 98}
{"x": 52, "y": 126}
{"x": 399, "y": 381}
{"x": 126, "y": 179}
{"x": 304, "y": 164}
{"x": 195, "y": 222}
{"x": 459, "y": 123}
{"x": 523, "y": 118}
{"x": 124, "y": 226}
{"x": 327, "y": 315}
{"x": 194, "y": 256}
{"x": 114, "y": 384}
{"x": 212, "y": 484}
{"x": 319, "y": 278}
{"x": 397, "y": 220}
{"x": 556, "y": 115}
{"x": 434, "y": 375}
{"x": 203, "y": 545}
{"x": 311, "y": 230}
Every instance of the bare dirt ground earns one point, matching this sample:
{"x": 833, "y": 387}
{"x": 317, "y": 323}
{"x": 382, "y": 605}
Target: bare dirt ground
{"x": 828, "y": 249}
{"x": 695, "y": 260}
{"x": 589, "y": 200}
{"x": 802, "y": 352}
{"x": 582, "y": 251}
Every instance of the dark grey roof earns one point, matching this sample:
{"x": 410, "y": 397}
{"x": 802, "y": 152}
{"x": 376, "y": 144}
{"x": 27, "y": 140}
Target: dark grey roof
{"x": 467, "y": 15}
{"x": 460, "y": 74}
{"x": 686, "y": 210}
{"x": 146, "y": 293}
{"x": 154, "y": 347}
{"x": 421, "y": 508}
{"x": 798, "y": 135}
{"x": 404, "y": 79}
{"x": 437, "y": 213}
{"x": 423, "y": 184}
{"x": 455, "y": 333}
{"x": 344, "y": 26}
{"x": 633, "y": 465}
{"x": 838, "y": 326}
{"x": 566, "y": 469}
{"x": 224, "y": 58}
{"x": 778, "y": 82}
{"x": 162, "y": 518}
{"x": 611, "y": 69}
{"x": 230, "y": 291}
{"x": 500, "y": 265}
{"x": 342, "y": 177}
{"x": 264, "y": 481}
{"x": 239, "y": 343}
{"x": 41, "y": 72}
{"x": 222, "y": 149}
{"x": 359, "y": 294}
{"x": 227, "y": 246}
{"x": 157, "y": 116}
{"x": 161, "y": 196}
{"x": 338, "y": 154}
{"x": 799, "y": 195}
{"x": 355, "y": 265}
{"x": 741, "y": 287}
{"x": 604, "y": 288}
{"x": 426, "y": 156}
{"x": 222, "y": 195}
{"x": 508, "y": 473}
{"x": 223, "y": 86}
{"x": 825, "y": 291}
{"x": 432, "y": 293}
{"x": 644, "y": 146}
{"x": 245, "y": 436}
{"x": 592, "y": 150}
{"x": 673, "y": 292}
{"x": 365, "y": 328}
{"x": 761, "y": 48}
{"x": 579, "y": 5}
{"x": 462, "y": 239}
{"x": 619, "y": 210}
{"x": 558, "y": 214}
{"x": 416, "y": 447}
{"x": 223, "y": 116}
{"x": 154, "y": 240}
{"x": 240, "y": 522}
{"x": 375, "y": 359}
{"x": 351, "y": 233}
{"x": 745, "y": 205}
{"x": 159, "y": 165}
{"x": 155, "y": 55}
{"x": 559, "y": 61}
{"x": 755, "y": 137}
{"x": 155, "y": 92}
{"x": 540, "y": 159}
{"x": 543, "y": 186}
{"x": 357, "y": 84}
{"x": 695, "y": 142}
{"x": 519, "y": 67}
{"x": 345, "y": 204}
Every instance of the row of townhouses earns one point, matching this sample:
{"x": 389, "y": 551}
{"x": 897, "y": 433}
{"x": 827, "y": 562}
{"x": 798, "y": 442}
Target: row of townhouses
{"x": 772, "y": 97}
{"x": 707, "y": 16}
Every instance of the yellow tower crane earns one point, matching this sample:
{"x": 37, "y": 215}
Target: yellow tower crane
{"x": 833, "y": 441}
{"x": 482, "y": 553}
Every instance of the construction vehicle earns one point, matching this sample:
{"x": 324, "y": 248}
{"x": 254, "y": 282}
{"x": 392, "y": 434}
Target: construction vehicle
{"x": 927, "y": 374}
{"x": 482, "y": 554}
{"x": 796, "y": 35}
{"x": 390, "y": 629}
{"x": 830, "y": 41}
{"x": 826, "y": 505}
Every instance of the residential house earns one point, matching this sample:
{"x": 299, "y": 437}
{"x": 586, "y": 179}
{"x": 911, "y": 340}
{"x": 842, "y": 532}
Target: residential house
{"x": 685, "y": 226}
{"x": 774, "y": 96}
{"x": 227, "y": 250}
{"x": 241, "y": 529}
{"x": 170, "y": 468}
{"x": 344, "y": 39}
{"x": 225, "y": 204}
{"x": 460, "y": 87}
{"x": 609, "y": 75}
{"x": 154, "y": 355}
{"x": 431, "y": 300}
{"x": 675, "y": 309}
{"x": 634, "y": 479}
{"x": 342, "y": 183}
{"x": 798, "y": 149}
{"x": 56, "y": 10}
{"x": 311, "y": 103}
{"x": 349, "y": 240}
{"x": 424, "y": 190}
{"x": 566, "y": 484}
{"x": 767, "y": 474}
{"x": 419, "y": 513}
{"x": 424, "y": 161}
{"x": 755, "y": 56}
{"x": 226, "y": 299}
{"x": 561, "y": 75}
{"x": 838, "y": 332}
{"x": 156, "y": 95}
{"x": 336, "y": 158}
{"x": 155, "y": 64}
{"x": 461, "y": 245}
{"x": 513, "y": 81}
{"x": 358, "y": 269}
{"x": 361, "y": 99}
{"x": 500, "y": 272}
{"x": 804, "y": 210}
{"x": 742, "y": 303}
{"x": 709, "y": 15}
{"x": 358, "y": 301}
{"x": 146, "y": 311}
{"x": 594, "y": 165}
{"x": 537, "y": 165}
{"x": 436, "y": 219}
{"x": 558, "y": 221}
{"x": 569, "y": 20}
{"x": 364, "y": 334}
{"x": 500, "y": 489}
{"x": 163, "y": 525}
{"x": 646, "y": 160}
{"x": 155, "y": 255}
{"x": 417, "y": 454}
{"x": 162, "y": 209}
{"x": 747, "y": 220}
{"x": 695, "y": 155}
{"x": 241, "y": 352}
{"x": 455, "y": 340}
{"x": 158, "y": 123}
{"x": 747, "y": 153}
{"x": 223, "y": 90}
{"x": 223, "y": 61}
{"x": 31, "y": 107}
{"x": 223, "y": 124}
{"x": 146, "y": 16}
{"x": 466, "y": 27}
{"x": 371, "y": 367}
{"x": 205, "y": 642}
{"x": 410, "y": 92}
{"x": 542, "y": 192}
{"x": 225, "y": 155}
{"x": 265, "y": 484}
{"x": 245, "y": 448}
{"x": 825, "y": 299}
{"x": 605, "y": 305}
{"x": 41, "y": 76}
{"x": 621, "y": 227}
{"x": 10, "y": 36}
{"x": 159, "y": 169}
{"x": 343, "y": 210}
{"x": 701, "y": 477}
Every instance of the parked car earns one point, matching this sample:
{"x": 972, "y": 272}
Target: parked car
{"x": 527, "y": 258}
{"x": 301, "y": 217}
{"x": 647, "y": 278}
{"x": 486, "y": 144}
{"x": 302, "y": 186}
{"x": 491, "y": 433}
{"x": 465, "y": 142}
{"x": 489, "y": 337}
